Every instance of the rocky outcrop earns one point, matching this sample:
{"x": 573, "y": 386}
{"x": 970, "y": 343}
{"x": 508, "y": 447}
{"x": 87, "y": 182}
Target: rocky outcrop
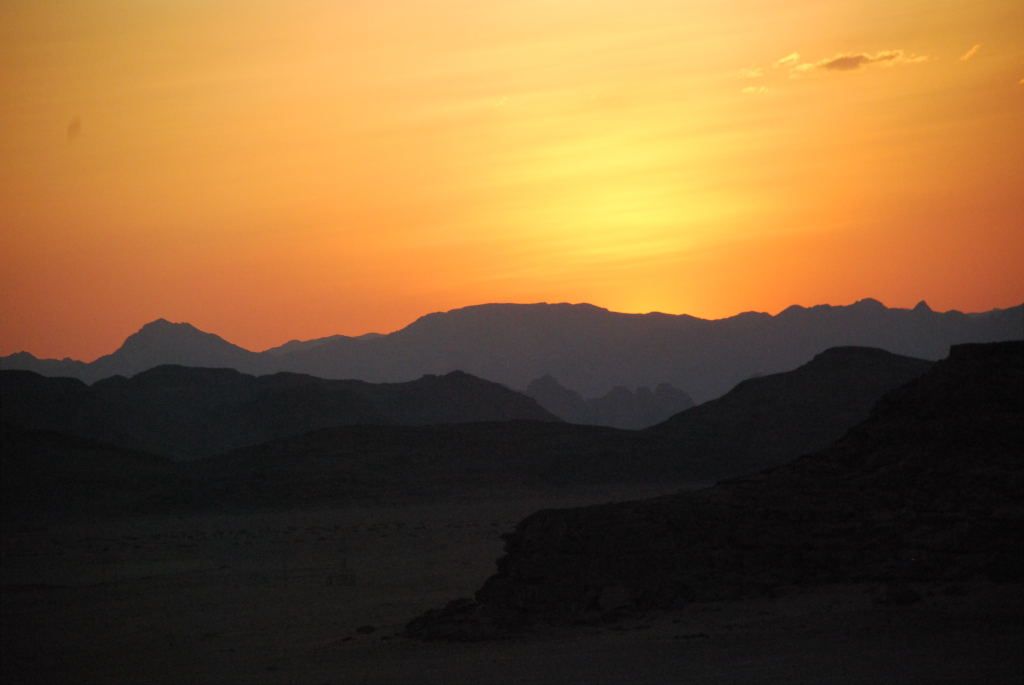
{"x": 929, "y": 487}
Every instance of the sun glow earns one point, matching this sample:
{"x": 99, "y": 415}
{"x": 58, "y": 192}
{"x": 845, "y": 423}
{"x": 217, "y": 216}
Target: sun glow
{"x": 344, "y": 167}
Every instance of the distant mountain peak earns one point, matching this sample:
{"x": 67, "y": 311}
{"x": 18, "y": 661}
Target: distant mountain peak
{"x": 793, "y": 309}
{"x": 460, "y": 374}
{"x": 868, "y": 303}
{"x": 162, "y": 326}
{"x": 922, "y": 306}
{"x": 164, "y": 342}
{"x": 162, "y": 331}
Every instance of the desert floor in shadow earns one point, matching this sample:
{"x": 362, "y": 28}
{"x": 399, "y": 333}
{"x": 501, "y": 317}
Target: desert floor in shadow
{"x": 321, "y": 596}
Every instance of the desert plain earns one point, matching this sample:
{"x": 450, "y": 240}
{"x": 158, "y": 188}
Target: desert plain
{"x": 321, "y": 595}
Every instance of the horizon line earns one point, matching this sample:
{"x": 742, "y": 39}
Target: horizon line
{"x": 867, "y": 300}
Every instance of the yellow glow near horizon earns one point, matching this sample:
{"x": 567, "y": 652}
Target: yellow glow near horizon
{"x": 270, "y": 169}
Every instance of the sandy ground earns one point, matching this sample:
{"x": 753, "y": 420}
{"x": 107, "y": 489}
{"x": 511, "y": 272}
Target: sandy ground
{"x": 319, "y": 596}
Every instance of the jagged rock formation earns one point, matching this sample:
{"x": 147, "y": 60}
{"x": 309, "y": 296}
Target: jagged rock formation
{"x": 929, "y": 487}
{"x": 619, "y": 408}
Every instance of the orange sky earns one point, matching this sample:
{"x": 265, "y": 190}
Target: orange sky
{"x": 270, "y": 169}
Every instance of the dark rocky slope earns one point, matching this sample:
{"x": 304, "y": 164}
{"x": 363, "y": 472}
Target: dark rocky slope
{"x": 769, "y": 420}
{"x": 929, "y": 487}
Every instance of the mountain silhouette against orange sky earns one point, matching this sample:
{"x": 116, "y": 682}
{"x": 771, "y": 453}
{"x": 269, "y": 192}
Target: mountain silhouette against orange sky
{"x": 586, "y": 349}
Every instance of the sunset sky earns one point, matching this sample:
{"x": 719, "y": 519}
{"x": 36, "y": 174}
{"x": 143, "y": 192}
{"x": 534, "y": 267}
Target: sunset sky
{"x": 271, "y": 169}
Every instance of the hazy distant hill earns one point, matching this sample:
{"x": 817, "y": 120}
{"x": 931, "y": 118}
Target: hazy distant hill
{"x": 190, "y": 412}
{"x": 619, "y": 408}
{"x": 588, "y": 349}
{"x": 929, "y": 487}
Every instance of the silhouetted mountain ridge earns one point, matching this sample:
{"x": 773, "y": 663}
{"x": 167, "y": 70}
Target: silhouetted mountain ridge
{"x": 418, "y": 460}
{"x": 768, "y": 420}
{"x": 282, "y": 442}
{"x": 161, "y": 342}
{"x": 589, "y": 350}
{"x": 190, "y": 412}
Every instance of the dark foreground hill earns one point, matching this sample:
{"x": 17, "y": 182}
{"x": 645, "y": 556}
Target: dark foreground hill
{"x": 929, "y": 487}
{"x": 586, "y": 349}
{"x": 767, "y": 421}
{"x": 764, "y": 421}
{"x": 191, "y": 412}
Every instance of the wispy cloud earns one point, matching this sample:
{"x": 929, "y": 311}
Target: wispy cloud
{"x": 849, "y": 61}
{"x": 794, "y": 66}
{"x": 970, "y": 53}
{"x": 858, "y": 60}
{"x": 792, "y": 59}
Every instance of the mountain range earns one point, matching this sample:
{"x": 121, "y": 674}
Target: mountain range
{"x": 763, "y": 422}
{"x": 585, "y": 349}
{"x": 928, "y": 488}
{"x": 186, "y": 413}
{"x": 193, "y": 438}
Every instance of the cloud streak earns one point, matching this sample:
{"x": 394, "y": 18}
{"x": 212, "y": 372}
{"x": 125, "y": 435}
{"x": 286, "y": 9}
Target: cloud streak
{"x": 856, "y": 61}
{"x": 793, "y": 65}
{"x": 853, "y": 61}
{"x": 848, "y": 61}
{"x": 970, "y": 53}
{"x": 790, "y": 60}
